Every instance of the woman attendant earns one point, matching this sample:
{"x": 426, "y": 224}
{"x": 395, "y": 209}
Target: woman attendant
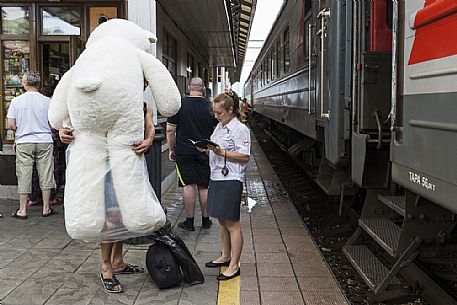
{"x": 228, "y": 161}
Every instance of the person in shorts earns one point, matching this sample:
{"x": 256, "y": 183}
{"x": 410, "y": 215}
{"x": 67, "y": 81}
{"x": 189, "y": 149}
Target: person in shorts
{"x": 193, "y": 122}
{"x": 28, "y": 117}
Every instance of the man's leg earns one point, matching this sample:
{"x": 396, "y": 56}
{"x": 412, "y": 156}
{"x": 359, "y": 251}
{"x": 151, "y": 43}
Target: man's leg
{"x": 46, "y": 196}
{"x": 203, "y": 198}
{"x": 22, "y": 204}
{"x": 189, "y": 200}
{"x": 45, "y": 168}
{"x": 117, "y": 259}
{"x": 24, "y": 169}
{"x": 189, "y": 206}
{"x": 116, "y": 256}
{"x": 107, "y": 268}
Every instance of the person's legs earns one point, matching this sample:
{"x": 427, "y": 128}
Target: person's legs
{"x": 189, "y": 200}
{"x": 24, "y": 169}
{"x": 45, "y": 167}
{"x": 118, "y": 264}
{"x": 203, "y": 198}
{"x": 225, "y": 243}
{"x": 22, "y": 204}
{"x": 117, "y": 259}
{"x": 236, "y": 243}
{"x": 46, "y": 197}
{"x": 107, "y": 269}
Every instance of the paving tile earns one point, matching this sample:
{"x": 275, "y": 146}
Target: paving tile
{"x": 316, "y": 268}
{"x": 324, "y": 298}
{"x": 249, "y": 297}
{"x": 71, "y": 296}
{"x": 268, "y": 269}
{"x": 248, "y": 257}
{"x": 272, "y": 257}
{"x": 265, "y": 239}
{"x": 7, "y": 285}
{"x": 249, "y": 283}
{"x": 317, "y": 284}
{"x": 150, "y": 294}
{"x": 30, "y": 295}
{"x": 276, "y": 298}
{"x": 198, "y": 297}
{"x": 208, "y": 247}
{"x": 248, "y": 269}
{"x": 278, "y": 283}
{"x": 265, "y": 232}
{"x": 269, "y": 247}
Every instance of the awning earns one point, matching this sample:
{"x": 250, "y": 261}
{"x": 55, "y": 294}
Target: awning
{"x": 219, "y": 30}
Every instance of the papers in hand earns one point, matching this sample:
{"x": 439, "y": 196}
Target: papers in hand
{"x": 203, "y": 143}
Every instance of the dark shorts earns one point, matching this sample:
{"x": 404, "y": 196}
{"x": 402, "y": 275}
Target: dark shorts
{"x": 224, "y": 199}
{"x": 193, "y": 169}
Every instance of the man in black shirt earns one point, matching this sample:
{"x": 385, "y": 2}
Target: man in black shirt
{"x": 195, "y": 122}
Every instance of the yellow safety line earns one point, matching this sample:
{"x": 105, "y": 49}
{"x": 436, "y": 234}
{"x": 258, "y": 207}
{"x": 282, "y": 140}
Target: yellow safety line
{"x": 179, "y": 175}
{"x": 229, "y": 291}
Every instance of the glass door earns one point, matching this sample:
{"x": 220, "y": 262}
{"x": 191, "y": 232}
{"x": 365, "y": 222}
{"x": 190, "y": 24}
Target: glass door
{"x": 55, "y": 61}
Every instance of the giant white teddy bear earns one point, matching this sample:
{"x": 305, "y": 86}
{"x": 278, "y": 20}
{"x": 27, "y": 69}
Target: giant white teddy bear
{"x": 101, "y": 97}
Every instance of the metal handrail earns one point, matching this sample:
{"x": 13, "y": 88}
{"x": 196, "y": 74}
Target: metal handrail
{"x": 310, "y": 62}
{"x": 322, "y": 14}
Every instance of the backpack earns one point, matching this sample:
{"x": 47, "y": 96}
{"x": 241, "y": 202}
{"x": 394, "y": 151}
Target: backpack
{"x": 162, "y": 266}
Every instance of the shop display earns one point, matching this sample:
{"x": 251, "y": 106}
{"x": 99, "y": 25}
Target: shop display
{"x": 16, "y": 62}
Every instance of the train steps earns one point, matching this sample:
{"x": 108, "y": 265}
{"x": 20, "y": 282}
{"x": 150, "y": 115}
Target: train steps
{"x": 379, "y": 222}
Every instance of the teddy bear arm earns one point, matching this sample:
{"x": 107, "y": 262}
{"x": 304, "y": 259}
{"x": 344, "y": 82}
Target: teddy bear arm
{"x": 58, "y": 109}
{"x": 163, "y": 87}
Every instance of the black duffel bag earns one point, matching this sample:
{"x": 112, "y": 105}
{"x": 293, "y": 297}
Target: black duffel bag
{"x": 162, "y": 266}
{"x": 191, "y": 273}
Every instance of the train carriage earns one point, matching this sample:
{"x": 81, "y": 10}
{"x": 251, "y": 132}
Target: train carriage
{"x": 363, "y": 93}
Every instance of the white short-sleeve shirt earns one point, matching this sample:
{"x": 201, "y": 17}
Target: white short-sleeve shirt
{"x": 30, "y": 110}
{"x": 234, "y": 136}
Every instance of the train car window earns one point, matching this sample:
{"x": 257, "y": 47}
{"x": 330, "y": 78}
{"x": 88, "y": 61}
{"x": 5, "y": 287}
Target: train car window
{"x": 278, "y": 57}
{"x": 273, "y": 62}
{"x": 286, "y": 54}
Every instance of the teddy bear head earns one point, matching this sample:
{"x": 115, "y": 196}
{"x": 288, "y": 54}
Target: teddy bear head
{"x": 123, "y": 29}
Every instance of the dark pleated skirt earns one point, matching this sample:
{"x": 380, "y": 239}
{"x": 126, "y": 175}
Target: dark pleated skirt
{"x": 224, "y": 199}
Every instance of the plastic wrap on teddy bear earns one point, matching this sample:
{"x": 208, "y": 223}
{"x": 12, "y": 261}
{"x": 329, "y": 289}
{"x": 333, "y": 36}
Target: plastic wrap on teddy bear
{"x": 108, "y": 209}
{"x": 108, "y": 196}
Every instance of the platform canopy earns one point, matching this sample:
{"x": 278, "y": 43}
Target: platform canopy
{"x": 218, "y": 29}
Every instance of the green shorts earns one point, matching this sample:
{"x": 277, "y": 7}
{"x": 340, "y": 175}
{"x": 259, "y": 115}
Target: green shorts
{"x": 26, "y": 155}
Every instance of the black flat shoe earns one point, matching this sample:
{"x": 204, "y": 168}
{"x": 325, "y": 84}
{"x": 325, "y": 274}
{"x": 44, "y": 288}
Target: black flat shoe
{"x": 216, "y": 265}
{"x": 223, "y": 277}
{"x": 14, "y": 215}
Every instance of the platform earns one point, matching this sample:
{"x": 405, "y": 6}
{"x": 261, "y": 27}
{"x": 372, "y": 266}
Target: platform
{"x": 280, "y": 264}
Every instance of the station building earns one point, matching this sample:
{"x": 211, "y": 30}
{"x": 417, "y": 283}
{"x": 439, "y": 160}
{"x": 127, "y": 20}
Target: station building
{"x": 195, "y": 38}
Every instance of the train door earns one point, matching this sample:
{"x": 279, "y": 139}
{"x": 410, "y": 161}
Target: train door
{"x": 424, "y": 158}
{"x": 372, "y": 93}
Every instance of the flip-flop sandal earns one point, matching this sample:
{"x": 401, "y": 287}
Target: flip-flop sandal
{"x": 14, "y": 215}
{"x": 51, "y": 212}
{"x": 130, "y": 269}
{"x": 109, "y": 284}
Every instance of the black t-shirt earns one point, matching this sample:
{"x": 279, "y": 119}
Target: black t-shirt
{"x": 193, "y": 121}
